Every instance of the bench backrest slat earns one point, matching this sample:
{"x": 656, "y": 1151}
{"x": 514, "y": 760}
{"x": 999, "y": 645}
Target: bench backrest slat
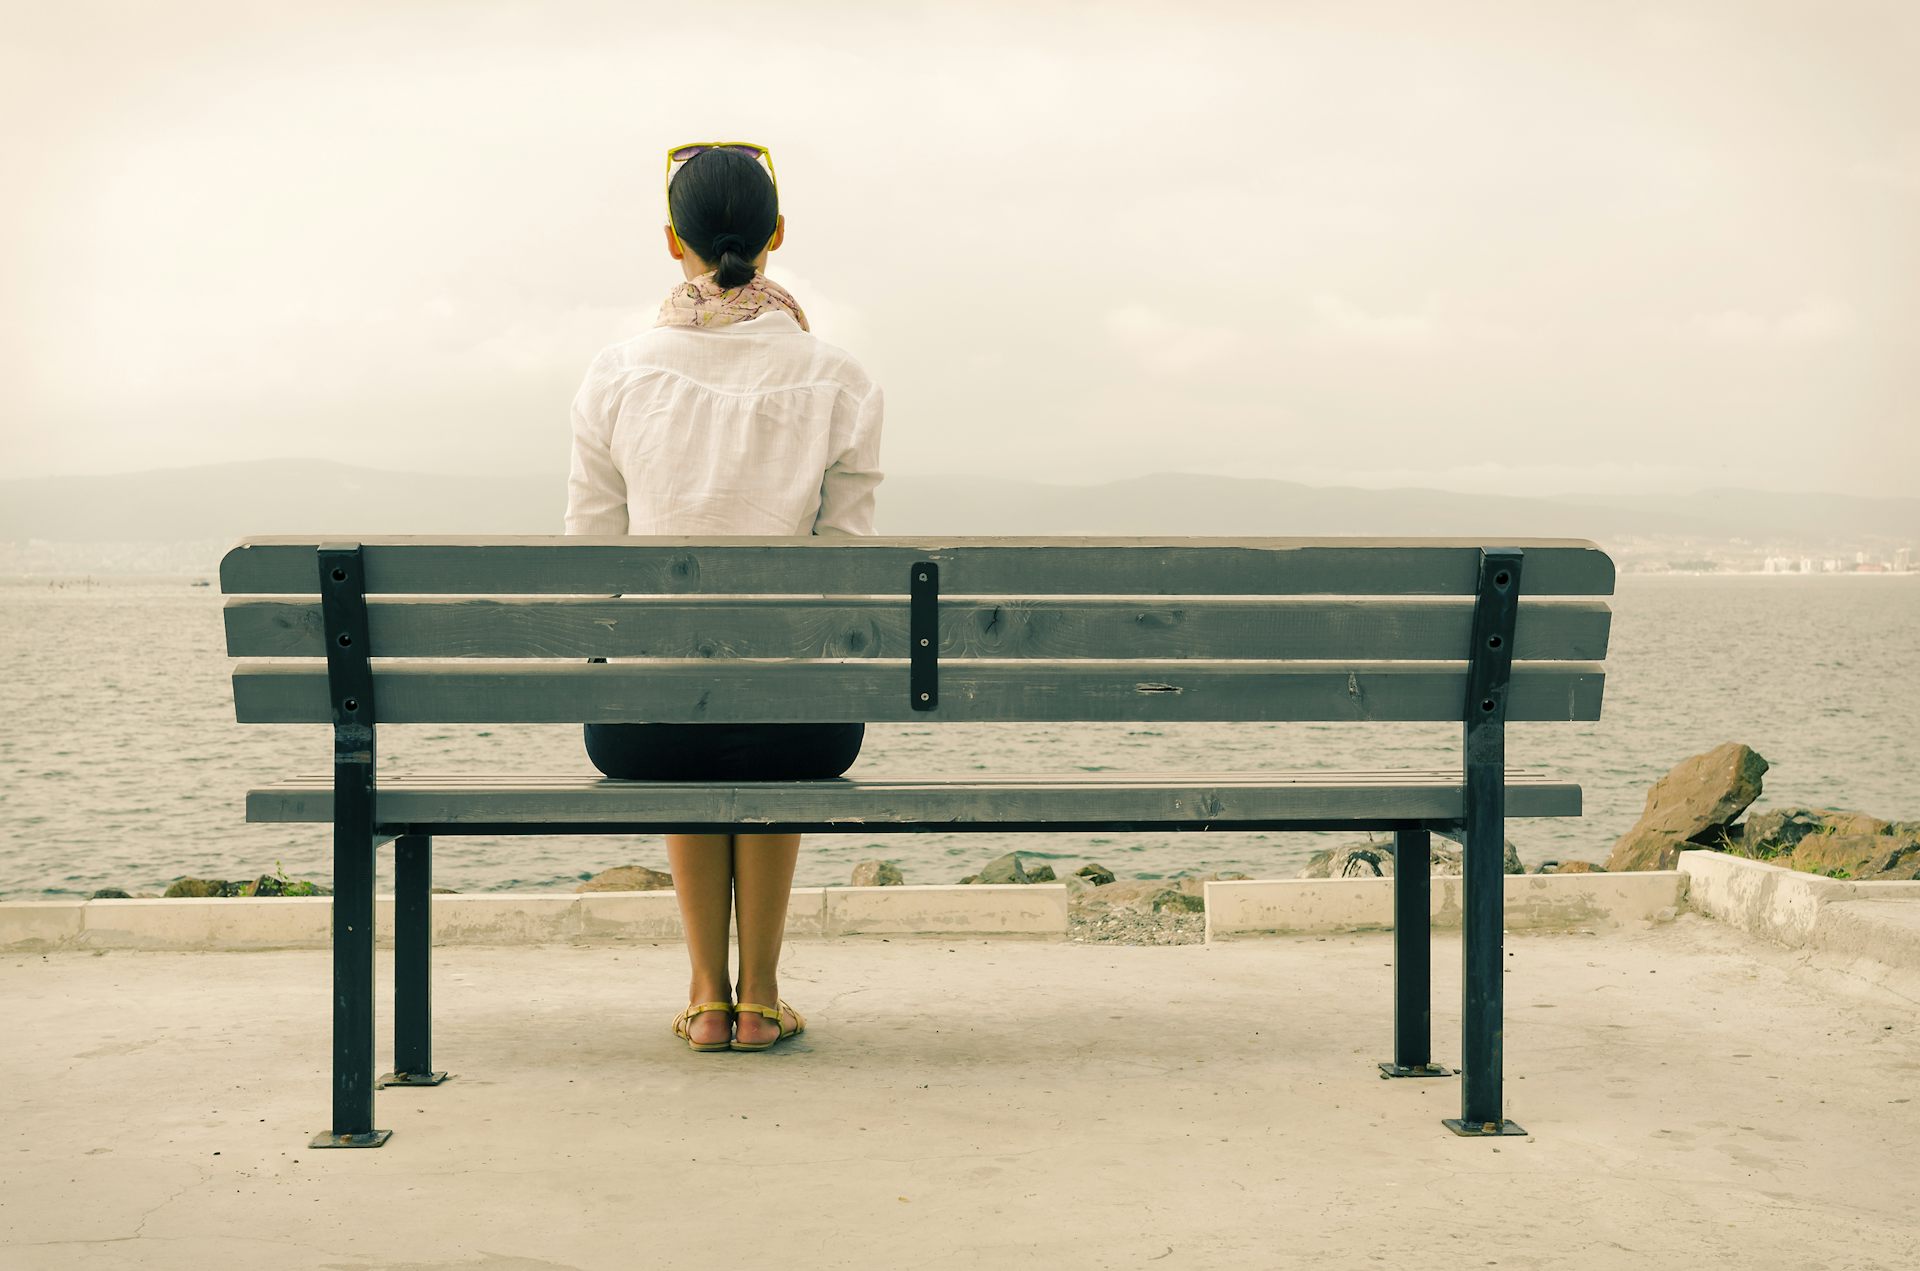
{"x": 700, "y": 690}
{"x": 876, "y": 627}
{"x": 741, "y": 629}
{"x": 839, "y": 565}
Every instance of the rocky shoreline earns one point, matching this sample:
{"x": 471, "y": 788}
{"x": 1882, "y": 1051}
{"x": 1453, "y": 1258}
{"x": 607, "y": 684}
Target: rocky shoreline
{"x": 1698, "y": 804}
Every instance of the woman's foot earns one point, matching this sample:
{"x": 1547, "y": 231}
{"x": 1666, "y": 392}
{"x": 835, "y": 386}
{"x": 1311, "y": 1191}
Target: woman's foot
{"x": 710, "y": 1026}
{"x": 752, "y": 1026}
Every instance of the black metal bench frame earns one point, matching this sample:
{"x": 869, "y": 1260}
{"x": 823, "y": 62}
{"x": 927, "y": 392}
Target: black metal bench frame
{"x": 357, "y": 835}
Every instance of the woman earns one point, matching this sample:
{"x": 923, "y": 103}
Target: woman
{"x": 727, "y": 417}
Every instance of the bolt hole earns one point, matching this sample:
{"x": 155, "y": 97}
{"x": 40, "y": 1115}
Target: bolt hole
{"x": 923, "y": 642}
{"x": 924, "y": 697}
{"x": 352, "y": 704}
{"x": 1502, "y": 578}
{"x": 345, "y": 640}
{"x": 339, "y": 575}
{"x": 923, "y": 578}
{"x": 1493, "y": 642}
{"x": 1487, "y": 706}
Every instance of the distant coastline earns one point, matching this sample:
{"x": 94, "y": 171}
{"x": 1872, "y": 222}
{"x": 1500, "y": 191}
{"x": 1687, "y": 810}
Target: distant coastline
{"x": 180, "y": 521}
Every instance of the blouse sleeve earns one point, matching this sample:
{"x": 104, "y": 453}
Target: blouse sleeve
{"x": 846, "y": 489}
{"x": 596, "y": 490}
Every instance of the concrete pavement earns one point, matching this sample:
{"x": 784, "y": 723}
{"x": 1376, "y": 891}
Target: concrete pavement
{"x": 1696, "y": 1097}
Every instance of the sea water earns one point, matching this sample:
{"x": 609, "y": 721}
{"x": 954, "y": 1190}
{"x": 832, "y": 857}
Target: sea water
{"x": 121, "y": 764}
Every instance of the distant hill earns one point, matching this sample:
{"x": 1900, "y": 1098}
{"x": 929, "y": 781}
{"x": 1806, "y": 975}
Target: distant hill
{"x": 285, "y": 496}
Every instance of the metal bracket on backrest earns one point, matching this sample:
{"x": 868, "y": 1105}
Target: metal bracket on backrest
{"x": 343, "y": 615}
{"x": 1496, "y": 610}
{"x": 923, "y": 636}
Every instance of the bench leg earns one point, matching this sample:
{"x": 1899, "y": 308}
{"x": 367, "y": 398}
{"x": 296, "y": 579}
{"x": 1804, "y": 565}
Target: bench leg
{"x": 1483, "y": 842}
{"x": 1413, "y": 956}
{"x": 412, "y": 964}
{"x": 353, "y": 1085}
{"x": 1483, "y": 914}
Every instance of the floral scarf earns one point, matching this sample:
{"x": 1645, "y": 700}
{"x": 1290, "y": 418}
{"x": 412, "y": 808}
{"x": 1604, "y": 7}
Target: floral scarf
{"x": 700, "y": 302}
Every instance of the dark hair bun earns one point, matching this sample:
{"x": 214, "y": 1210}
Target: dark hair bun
{"x": 723, "y": 205}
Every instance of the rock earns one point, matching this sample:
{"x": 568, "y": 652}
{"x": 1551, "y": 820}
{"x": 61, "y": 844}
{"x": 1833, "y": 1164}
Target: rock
{"x": 877, "y": 874}
{"x": 970, "y": 878}
{"x": 1574, "y": 867}
{"x": 1899, "y": 863}
{"x": 110, "y": 893}
{"x": 1446, "y": 859}
{"x": 1127, "y": 891}
{"x": 1355, "y": 860}
{"x": 1834, "y": 821}
{"x": 197, "y": 888}
{"x": 1838, "y": 855}
{"x": 1041, "y": 873}
{"x": 1002, "y": 869}
{"x": 628, "y": 878}
{"x": 1098, "y": 875}
{"x": 1142, "y": 895}
{"x": 1690, "y": 806}
{"x": 1647, "y": 849}
{"x": 1771, "y": 833}
{"x": 1374, "y": 859}
{"x": 1139, "y": 910}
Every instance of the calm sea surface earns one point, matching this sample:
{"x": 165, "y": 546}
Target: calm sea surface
{"x": 121, "y": 765}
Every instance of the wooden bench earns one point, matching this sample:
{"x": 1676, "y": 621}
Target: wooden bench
{"x": 896, "y": 630}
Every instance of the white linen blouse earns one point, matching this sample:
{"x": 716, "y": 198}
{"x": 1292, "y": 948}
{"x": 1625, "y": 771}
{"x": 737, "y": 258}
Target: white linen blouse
{"x": 754, "y": 427}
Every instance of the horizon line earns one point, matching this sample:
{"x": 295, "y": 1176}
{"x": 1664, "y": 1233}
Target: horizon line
{"x": 1029, "y": 481}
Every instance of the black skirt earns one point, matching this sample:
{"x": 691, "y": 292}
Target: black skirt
{"x": 724, "y": 752}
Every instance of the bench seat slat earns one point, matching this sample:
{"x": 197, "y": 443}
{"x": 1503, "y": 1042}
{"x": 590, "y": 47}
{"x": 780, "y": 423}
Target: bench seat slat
{"x": 700, "y": 690}
{"x": 836, "y": 564}
{"x": 1108, "y": 776}
{"x": 876, "y": 627}
{"x": 584, "y": 801}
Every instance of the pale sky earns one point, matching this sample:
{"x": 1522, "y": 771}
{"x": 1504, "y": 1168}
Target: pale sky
{"x": 1517, "y": 247}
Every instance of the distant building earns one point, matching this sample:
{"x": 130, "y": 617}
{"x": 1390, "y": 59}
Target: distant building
{"x": 1903, "y": 559}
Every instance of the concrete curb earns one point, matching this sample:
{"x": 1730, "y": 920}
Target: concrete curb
{"x": 1784, "y": 905}
{"x": 1534, "y": 902}
{"x": 1867, "y": 930}
{"x": 1862, "y": 924}
{"x": 1009, "y": 910}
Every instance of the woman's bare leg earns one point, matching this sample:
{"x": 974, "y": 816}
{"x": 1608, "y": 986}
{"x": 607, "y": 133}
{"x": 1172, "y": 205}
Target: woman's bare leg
{"x": 702, "y": 867}
{"x": 763, "y": 867}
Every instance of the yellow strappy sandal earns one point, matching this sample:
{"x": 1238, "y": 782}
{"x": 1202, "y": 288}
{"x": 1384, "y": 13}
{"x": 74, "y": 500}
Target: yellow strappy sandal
{"x": 775, "y": 1014}
{"x": 682, "y": 1021}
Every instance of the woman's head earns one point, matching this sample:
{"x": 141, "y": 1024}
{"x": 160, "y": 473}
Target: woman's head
{"x": 723, "y": 205}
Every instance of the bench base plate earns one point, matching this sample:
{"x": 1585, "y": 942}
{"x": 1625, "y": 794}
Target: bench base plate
{"x": 410, "y": 1079}
{"x": 1481, "y": 1129}
{"x": 1424, "y": 1070}
{"x": 372, "y": 1138}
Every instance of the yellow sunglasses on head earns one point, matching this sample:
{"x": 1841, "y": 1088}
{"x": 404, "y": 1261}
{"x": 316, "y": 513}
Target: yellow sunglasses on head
{"x": 678, "y": 155}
